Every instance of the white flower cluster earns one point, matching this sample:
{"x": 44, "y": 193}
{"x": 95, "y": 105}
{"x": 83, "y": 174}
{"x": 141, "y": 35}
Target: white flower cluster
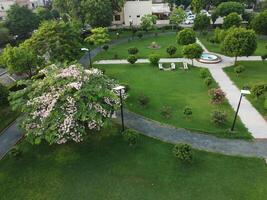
{"x": 68, "y": 129}
{"x": 71, "y": 71}
{"x": 76, "y": 85}
{"x": 93, "y": 71}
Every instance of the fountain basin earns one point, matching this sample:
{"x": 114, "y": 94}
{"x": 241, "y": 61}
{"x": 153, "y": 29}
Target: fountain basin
{"x": 209, "y": 58}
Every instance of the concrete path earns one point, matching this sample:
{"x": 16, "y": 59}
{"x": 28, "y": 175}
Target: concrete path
{"x": 9, "y": 137}
{"x": 257, "y": 148}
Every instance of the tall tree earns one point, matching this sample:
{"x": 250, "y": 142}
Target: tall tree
{"x": 196, "y": 5}
{"x": 177, "y": 16}
{"x": 259, "y": 23}
{"x": 230, "y": 20}
{"x": 192, "y": 51}
{"x": 148, "y": 22}
{"x": 21, "y": 20}
{"x": 226, "y": 8}
{"x": 202, "y": 22}
{"x": 56, "y": 41}
{"x": 98, "y": 13}
{"x": 186, "y": 36}
{"x": 239, "y": 42}
{"x": 66, "y": 104}
{"x": 20, "y": 59}
{"x": 99, "y": 36}
{"x": 4, "y": 35}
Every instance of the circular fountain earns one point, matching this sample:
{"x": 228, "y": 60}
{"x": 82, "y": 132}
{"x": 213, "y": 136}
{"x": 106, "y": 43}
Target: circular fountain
{"x": 209, "y": 58}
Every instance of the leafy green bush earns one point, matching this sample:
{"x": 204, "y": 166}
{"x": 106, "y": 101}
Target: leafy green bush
{"x": 132, "y": 59}
{"x": 143, "y": 100}
{"x": 105, "y": 47}
{"x": 139, "y": 35}
{"x": 130, "y": 136}
{"x": 3, "y": 95}
{"x": 166, "y": 112}
{"x": 264, "y": 57}
{"x": 265, "y": 104}
{"x": 15, "y": 151}
{"x": 217, "y": 95}
{"x": 239, "y": 69}
{"x": 188, "y": 111}
{"x": 204, "y": 73}
{"x": 218, "y": 117}
{"x": 258, "y": 90}
{"x": 183, "y": 152}
{"x": 186, "y": 36}
{"x": 171, "y": 50}
{"x": 154, "y": 59}
{"x": 133, "y": 50}
{"x": 208, "y": 81}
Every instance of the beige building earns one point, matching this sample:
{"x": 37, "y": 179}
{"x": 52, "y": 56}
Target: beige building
{"x": 133, "y": 11}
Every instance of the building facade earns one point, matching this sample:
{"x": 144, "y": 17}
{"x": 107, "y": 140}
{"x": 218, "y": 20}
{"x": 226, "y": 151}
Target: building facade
{"x": 133, "y": 11}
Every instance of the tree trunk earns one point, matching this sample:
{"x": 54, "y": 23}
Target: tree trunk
{"x": 235, "y": 59}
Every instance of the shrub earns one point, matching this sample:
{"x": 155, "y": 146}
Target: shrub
{"x": 130, "y": 136}
{"x": 171, "y": 50}
{"x": 188, "y": 111}
{"x": 217, "y": 95}
{"x": 166, "y": 112}
{"x": 15, "y": 151}
{"x": 132, "y": 59}
{"x": 105, "y": 47}
{"x": 264, "y": 57}
{"x": 139, "y": 35}
{"x": 258, "y": 90}
{"x": 115, "y": 56}
{"x": 154, "y": 59}
{"x": 3, "y": 94}
{"x": 186, "y": 36}
{"x": 265, "y": 104}
{"x": 208, "y": 81}
{"x": 183, "y": 152}
{"x": 218, "y": 117}
{"x": 204, "y": 73}
{"x": 239, "y": 69}
{"x": 143, "y": 100}
{"x": 133, "y": 50}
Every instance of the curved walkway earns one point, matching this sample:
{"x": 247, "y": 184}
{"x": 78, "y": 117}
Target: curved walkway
{"x": 257, "y": 148}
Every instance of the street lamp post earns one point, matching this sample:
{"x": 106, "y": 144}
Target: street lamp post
{"x": 120, "y": 89}
{"x": 89, "y": 53}
{"x": 243, "y": 93}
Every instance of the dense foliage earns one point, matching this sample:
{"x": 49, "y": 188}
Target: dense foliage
{"x": 186, "y": 36}
{"x": 259, "y": 23}
{"x": 99, "y": 36}
{"x": 66, "y": 104}
{"x": 177, "y": 16}
{"x": 192, "y": 51}
{"x": 183, "y": 152}
{"x": 148, "y": 22}
{"x": 202, "y": 22}
{"x": 3, "y": 94}
{"x": 228, "y": 7}
{"x": 232, "y": 19}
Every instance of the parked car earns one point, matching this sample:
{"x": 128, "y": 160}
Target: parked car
{"x": 205, "y": 13}
{"x": 188, "y": 12}
{"x": 191, "y": 17}
{"x": 188, "y": 21}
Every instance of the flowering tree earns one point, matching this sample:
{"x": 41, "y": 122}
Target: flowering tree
{"x": 65, "y": 104}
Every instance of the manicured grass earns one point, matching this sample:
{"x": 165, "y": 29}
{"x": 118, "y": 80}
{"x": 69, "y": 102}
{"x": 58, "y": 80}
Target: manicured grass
{"x": 255, "y": 72}
{"x": 176, "y": 89}
{"x": 6, "y": 116}
{"x": 121, "y": 50}
{"x": 214, "y": 47}
{"x": 110, "y": 169}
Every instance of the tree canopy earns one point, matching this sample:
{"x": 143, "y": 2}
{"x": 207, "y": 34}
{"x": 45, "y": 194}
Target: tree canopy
{"x": 228, "y": 7}
{"x": 233, "y": 19}
{"x": 99, "y": 36}
{"x": 239, "y": 42}
{"x": 4, "y": 35}
{"x": 259, "y": 23}
{"x": 202, "y": 22}
{"x": 20, "y": 20}
{"x": 177, "y": 16}
{"x": 148, "y": 22}
{"x": 196, "y": 5}
{"x": 192, "y": 51}
{"x": 56, "y": 41}
{"x": 186, "y": 36}
{"x": 66, "y": 104}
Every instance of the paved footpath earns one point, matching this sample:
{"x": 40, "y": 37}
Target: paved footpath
{"x": 257, "y": 148}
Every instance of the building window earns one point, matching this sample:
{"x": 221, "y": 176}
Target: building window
{"x": 117, "y": 18}
{"x": 138, "y": 16}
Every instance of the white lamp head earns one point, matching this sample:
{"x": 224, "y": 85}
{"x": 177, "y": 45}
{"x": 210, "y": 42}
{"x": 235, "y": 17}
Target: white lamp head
{"x": 120, "y": 87}
{"x": 245, "y": 92}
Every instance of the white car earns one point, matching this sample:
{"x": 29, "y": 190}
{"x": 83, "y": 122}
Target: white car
{"x": 187, "y": 21}
{"x": 188, "y": 12}
{"x": 205, "y": 13}
{"x": 191, "y": 17}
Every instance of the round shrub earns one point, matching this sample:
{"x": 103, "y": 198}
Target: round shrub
{"x": 188, "y": 111}
{"x": 3, "y": 95}
{"x": 204, "y": 73}
{"x": 208, "y": 81}
{"x": 105, "y": 47}
{"x": 186, "y": 36}
{"x": 239, "y": 69}
{"x": 132, "y": 59}
{"x": 130, "y": 136}
{"x": 154, "y": 59}
{"x": 171, "y": 50}
{"x": 183, "y": 152}
{"x": 115, "y": 56}
{"x": 259, "y": 89}
{"x": 264, "y": 57}
{"x": 217, "y": 95}
{"x": 166, "y": 112}
{"x": 143, "y": 100}
{"x": 218, "y": 117}
{"x": 133, "y": 50}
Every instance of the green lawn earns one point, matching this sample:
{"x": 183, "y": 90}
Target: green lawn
{"x": 143, "y": 45}
{"x": 255, "y": 72}
{"x": 261, "y": 42}
{"x": 177, "y": 90}
{"x": 6, "y": 117}
{"x": 110, "y": 169}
